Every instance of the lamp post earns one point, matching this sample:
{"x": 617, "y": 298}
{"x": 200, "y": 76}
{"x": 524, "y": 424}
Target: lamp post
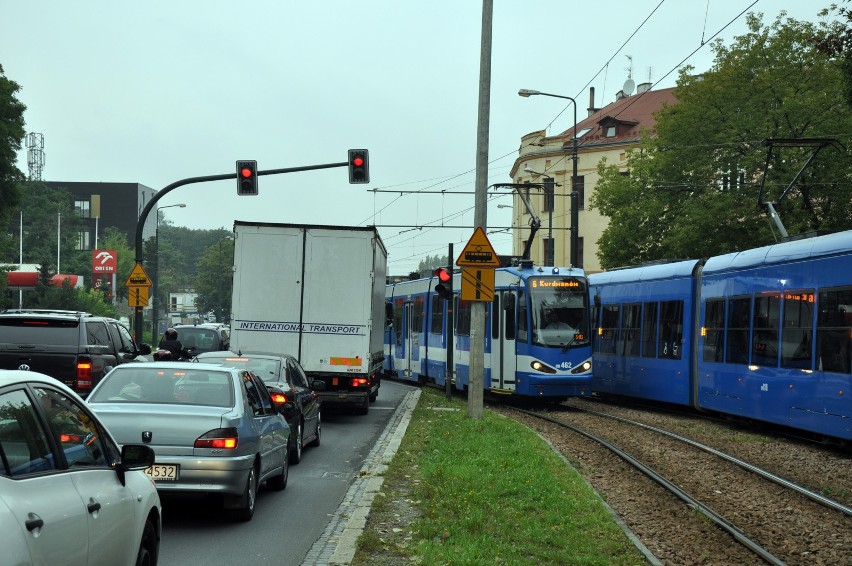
{"x": 549, "y": 187}
{"x": 155, "y": 304}
{"x": 575, "y": 208}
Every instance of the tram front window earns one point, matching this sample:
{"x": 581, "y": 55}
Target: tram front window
{"x": 559, "y": 312}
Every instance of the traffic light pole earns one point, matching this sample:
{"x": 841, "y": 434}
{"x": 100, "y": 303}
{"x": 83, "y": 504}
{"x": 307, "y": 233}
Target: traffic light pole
{"x": 139, "y": 318}
{"x": 451, "y": 334}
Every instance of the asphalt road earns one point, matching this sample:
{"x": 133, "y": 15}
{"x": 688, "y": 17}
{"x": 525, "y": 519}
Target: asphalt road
{"x": 286, "y": 524}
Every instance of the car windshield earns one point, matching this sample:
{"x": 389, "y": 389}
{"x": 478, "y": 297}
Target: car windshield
{"x": 267, "y": 368}
{"x": 15, "y": 330}
{"x": 170, "y": 386}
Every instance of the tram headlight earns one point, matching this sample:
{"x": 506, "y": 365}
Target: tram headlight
{"x": 583, "y": 368}
{"x": 542, "y": 367}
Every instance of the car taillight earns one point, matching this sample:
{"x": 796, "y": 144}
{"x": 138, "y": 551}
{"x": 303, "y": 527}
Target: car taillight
{"x": 359, "y": 381}
{"x": 278, "y": 398}
{"x": 223, "y": 438}
{"x": 84, "y": 373}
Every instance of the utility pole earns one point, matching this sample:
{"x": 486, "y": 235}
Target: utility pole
{"x": 476, "y": 384}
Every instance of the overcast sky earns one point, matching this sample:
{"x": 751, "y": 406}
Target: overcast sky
{"x": 158, "y": 91}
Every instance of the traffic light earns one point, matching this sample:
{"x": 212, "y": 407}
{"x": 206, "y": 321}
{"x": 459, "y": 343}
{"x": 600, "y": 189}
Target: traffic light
{"x": 359, "y": 166}
{"x": 444, "y": 288}
{"x": 246, "y": 178}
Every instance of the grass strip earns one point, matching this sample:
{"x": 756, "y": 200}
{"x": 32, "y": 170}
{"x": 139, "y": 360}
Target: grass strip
{"x": 462, "y": 491}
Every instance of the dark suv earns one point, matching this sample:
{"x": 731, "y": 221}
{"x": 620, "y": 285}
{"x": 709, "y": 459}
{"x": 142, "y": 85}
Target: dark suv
{"x": 76, "y": 348}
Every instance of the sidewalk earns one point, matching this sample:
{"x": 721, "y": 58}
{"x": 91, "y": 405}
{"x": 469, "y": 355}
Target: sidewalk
{"x": 336, "y": 545}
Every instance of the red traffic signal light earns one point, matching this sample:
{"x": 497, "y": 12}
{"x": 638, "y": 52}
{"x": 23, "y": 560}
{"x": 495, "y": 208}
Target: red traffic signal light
{"x": 359, "y": 166}
{"x": 444, "y": 288}
{"x": 247, "y": 178}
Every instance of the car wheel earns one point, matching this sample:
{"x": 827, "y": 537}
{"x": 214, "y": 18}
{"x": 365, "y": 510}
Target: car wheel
{"x": 148, "y": 548}
{"x": 246, "y": 511}
{"x": 365, "y": 408}
{"x": 316, "y": 440}
{"x": 374, "y": 396}
{"x": 296, "y": 449}
{"x": 279, "y": 482}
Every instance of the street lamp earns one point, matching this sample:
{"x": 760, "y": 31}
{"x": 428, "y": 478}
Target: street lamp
{"x": 549, "y": 188}
{"x": 155, "y": 305}
{"x": 575, "y": 207}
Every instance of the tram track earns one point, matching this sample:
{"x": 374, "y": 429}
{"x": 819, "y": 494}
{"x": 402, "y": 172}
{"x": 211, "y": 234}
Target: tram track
{"x": 773, "y": 519}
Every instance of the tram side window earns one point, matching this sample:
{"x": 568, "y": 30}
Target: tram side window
{"x": 739, "y": 320}
{"x": 767, "y": 318}
{"x": 509, "y": 307}
{"x": 609, "y": 328}
{"x": 495, "y": 317}
{"x": 437, "y": 324}
{"x": 671, "y": 329}
{"x": 397, "y": 320}
{"x": 463, "y": 318}
{"x": 523, "y": 330}
{"x": 797, "y": 333}
{"x": 649, "y": 331}
{"x": 714, "y": 327}
{"x": 631, "y": 327}
{"x": 417, "y": 314}
{"x": 834, "y": 330}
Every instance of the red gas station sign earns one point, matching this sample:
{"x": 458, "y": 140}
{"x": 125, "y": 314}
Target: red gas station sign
{"x": 104, "y": 261}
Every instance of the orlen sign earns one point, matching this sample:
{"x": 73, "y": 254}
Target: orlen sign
{"x": 104, "y": 261}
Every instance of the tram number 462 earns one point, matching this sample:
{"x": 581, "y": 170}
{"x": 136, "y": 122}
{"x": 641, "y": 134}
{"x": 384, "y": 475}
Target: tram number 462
{"x": 564, "y": 365}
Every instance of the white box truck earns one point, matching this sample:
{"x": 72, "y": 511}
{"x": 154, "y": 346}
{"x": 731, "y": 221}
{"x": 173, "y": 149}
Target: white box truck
{"x": 316, "y": 293}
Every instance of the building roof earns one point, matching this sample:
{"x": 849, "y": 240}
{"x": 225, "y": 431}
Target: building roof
{"x": 629, "y": 115}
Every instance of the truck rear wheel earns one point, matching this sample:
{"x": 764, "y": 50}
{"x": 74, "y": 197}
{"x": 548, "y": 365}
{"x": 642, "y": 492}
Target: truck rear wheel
{"x": 365, "y": 407}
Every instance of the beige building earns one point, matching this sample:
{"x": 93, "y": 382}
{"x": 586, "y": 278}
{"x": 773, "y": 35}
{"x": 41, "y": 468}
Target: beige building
{"x": 607, "y": 132}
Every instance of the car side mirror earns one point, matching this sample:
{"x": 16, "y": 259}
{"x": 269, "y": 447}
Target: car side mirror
{"x": 287, "y": 409}
{"x": 145, "y": 349}
{"x": 134, "y": 457}
{"x": 318, "y": 385}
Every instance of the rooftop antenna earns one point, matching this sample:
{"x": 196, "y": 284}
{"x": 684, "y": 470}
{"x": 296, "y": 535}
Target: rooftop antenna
{"x": 629, "y": 85}
{"x": 35, "y": 155}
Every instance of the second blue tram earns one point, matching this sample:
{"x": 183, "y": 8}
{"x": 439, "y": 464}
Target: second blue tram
{"x": 537, "y": 341}
{"x": 763, "y": 334}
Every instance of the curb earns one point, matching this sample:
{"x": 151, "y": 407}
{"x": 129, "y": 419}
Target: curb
{"x": 336, "y": 546}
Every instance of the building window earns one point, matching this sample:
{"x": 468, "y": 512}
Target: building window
{"x": 81, "y": 208}
{"x": 527, "y": 195}
{"x": 610, "y": 132}
{"x": 548, "y": 251}
{"x": 84, "y": 240}
{"x": 579, "y": 252}
{"x": 548, "y": 194}
{"x": 580, "y": 187}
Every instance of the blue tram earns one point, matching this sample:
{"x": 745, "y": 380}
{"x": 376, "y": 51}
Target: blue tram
{"x": 763, "y": 334}
{"x": 537, "y": 339}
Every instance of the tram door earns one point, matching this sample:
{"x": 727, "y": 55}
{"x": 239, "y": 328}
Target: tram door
{"x": 407, "y": 341}
{"x": 503, "y": 360}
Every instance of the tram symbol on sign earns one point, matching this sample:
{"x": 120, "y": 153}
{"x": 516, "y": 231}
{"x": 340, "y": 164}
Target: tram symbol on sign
{"x": 478, "y": 256}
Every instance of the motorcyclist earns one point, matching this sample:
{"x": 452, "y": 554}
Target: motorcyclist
{"x": 171, "y": 343}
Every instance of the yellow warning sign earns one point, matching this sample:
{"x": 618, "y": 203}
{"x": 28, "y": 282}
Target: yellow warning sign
{"x": 478, "y": 252}
{"x": 477, "y": 284}
{"x": 137, "y": 297}
{"x": 138, "y": 277}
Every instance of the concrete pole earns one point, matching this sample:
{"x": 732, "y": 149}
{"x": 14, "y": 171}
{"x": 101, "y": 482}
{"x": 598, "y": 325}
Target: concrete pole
{"x": 477, "y": 322}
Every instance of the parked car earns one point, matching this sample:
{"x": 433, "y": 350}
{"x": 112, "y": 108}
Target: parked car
{"x": 214, "y": 428}
{"x": 288, "y": 384}
{"x": 76, "y": 348}
{"x": 68, "y": 495}
{"x": 200, "y": 338}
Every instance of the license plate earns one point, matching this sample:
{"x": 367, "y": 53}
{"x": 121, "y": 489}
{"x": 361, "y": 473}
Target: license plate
{"x": 162, "y": 472}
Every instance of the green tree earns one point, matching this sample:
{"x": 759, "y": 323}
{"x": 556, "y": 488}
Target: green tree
{"x": 693, "y": 185}
{"x": 11, "y": 136}
{"x": 215, "y": 280}
{"x": 836, "y": 41}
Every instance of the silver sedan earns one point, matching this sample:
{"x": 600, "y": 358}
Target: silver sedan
{"x": 213, "y": 429}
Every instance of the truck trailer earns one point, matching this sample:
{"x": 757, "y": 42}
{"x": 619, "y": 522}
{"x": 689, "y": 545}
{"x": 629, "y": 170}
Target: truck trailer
{"x": 317, "y": 293}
